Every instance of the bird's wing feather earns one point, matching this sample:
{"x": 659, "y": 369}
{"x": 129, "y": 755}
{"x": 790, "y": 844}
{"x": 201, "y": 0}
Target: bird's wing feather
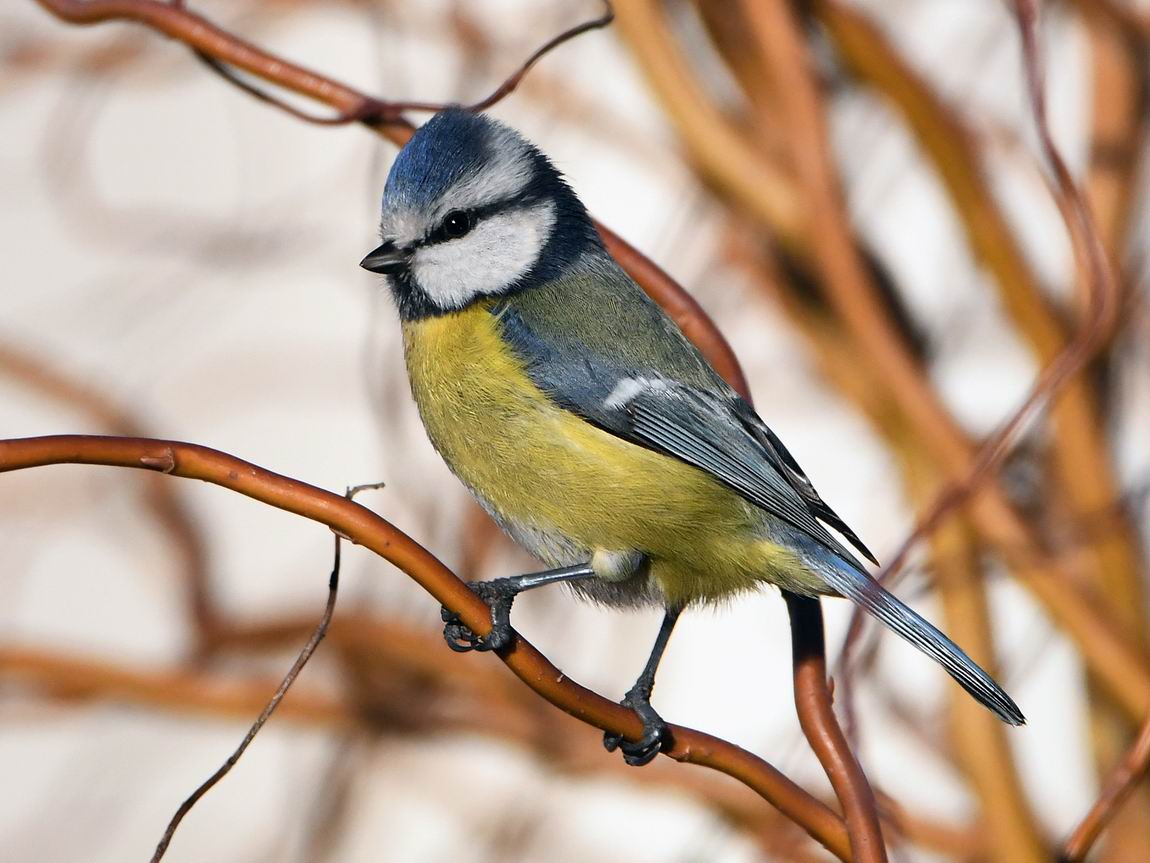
{"x": 789, "y": 468}
{"x": 712, "y": 429}
{"x": 658, "y": 393}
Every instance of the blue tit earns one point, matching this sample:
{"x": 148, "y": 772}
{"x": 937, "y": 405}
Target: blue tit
{"x": 585, "y": 423}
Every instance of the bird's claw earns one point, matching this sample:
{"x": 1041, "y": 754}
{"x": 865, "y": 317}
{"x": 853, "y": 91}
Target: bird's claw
{"x": 656, "y": 734}
{"x": 498, "y": 595}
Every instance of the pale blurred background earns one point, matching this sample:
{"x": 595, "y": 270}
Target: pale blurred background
{"x": 186, "y": 259}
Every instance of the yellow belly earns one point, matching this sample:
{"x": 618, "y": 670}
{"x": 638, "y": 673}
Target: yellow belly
{"x": 552, "y": 475}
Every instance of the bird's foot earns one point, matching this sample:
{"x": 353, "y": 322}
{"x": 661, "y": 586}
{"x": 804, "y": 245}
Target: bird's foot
{"x": 656, "y": 734}
{"x": 499, "y": 594}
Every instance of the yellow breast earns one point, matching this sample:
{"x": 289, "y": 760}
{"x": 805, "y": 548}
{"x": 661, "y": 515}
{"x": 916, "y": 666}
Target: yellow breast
{"x": 548, "y": 473}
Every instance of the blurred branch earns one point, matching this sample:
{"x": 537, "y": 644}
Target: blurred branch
{"x": 1118, "y": 127}
{"x": 484, "y": 700}
{"x": 783, "y": 54}
{"x": 1117, "y": 139}
{"x": 181, "y": 691}
{"x": 161, "y": 501}
{"x": 374, "y": 112}
{"x": 980, "y": 740}
{"x": 401, "y": 682}
{"x": 1119, "y": 13}
{"x": 363, "y": 527}
{"x": 721, "y": 152}
{"x": 1118, "y": 786}
{"x": 206, "y": 38}
{"x": 1084, "y": 469}
{"x": 223, "y": 51}
{"x": 856, "y": 301}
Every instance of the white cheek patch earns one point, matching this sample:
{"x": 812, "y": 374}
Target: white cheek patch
{"x": 498, "y": 251}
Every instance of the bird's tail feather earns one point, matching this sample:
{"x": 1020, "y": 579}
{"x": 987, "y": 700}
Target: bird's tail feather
{"x": 873, "y": 598}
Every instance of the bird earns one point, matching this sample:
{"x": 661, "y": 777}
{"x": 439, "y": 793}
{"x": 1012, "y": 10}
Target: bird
{"x": 585, "y": 423}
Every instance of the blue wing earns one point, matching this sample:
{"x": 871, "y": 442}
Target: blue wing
{"x": 601, "y": 350}
{"x": 709, "y": 427}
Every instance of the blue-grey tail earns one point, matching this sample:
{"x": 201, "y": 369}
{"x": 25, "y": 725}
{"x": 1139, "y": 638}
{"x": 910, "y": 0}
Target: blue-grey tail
{"x": 873, "y": 598}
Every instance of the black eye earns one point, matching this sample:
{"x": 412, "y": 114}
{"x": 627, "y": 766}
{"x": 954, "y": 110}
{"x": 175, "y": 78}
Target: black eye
{"x": 457, "y": 223}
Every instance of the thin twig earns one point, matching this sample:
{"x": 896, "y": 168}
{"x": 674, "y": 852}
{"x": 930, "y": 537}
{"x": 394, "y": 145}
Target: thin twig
{"x": 374, "y": 110}
{"x": 1115, "y": 790}
{"x": 301, "y": 660}
{"x": 512, "y": 81}
{"x": 1103, "y": 301}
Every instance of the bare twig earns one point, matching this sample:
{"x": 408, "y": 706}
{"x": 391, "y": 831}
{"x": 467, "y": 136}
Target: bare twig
{"x": 301, "y": 660}
{"x": 1116, "y": 789}
{"x": 1103, "y": 307}
{"x": 375, "y": 111}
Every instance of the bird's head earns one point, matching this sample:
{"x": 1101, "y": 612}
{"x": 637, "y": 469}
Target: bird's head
{"x": 471, "y": 210}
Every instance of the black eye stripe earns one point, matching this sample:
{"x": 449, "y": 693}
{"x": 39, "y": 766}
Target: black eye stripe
{"x": 521, "y": 201}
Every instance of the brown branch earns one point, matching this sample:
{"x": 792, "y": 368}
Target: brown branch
{"x": 181, "y": 691}
{"x": 1117, "y": 788}
{"x": 1117, "y": 137}
{"x": 857, "y": 302}
{"x": 1100, "y": 294}
{"x": 1086, "y": 472}
{"x": 721, "y": 153}
{"x": 371, "y": 112}
{"x": 513, "y": 81}
{"x": 224, "y": 52}
{"x": 968, "y": 469}
{"x": 365, "y": 528}
{"x": 980, "y": 741}
{"x": 202, "y": 36}
{"x": 400, "y": 680}
{"x": 815, "y": 707}
{"x": 1120, "y": 14}
{"x": 1083, "y": 465}
{"x": 168, "y": 510}
{"x": 405, "y": 664}
{"x": 783, "y": 54}
{"x": 1063, "y": 363}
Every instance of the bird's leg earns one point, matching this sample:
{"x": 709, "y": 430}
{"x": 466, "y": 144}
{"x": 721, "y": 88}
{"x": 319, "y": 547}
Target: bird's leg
{"x": 656, "y": 736}
{"x": 500, "y": 593}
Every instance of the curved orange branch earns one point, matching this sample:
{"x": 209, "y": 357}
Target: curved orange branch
{"x": 363, "y": 527}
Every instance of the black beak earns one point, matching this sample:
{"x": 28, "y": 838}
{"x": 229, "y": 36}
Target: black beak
{"x": 385, "y": 259}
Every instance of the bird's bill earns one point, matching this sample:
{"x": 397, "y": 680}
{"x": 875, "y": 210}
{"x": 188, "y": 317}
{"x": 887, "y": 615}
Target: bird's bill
{"x": 386, "y": 258}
